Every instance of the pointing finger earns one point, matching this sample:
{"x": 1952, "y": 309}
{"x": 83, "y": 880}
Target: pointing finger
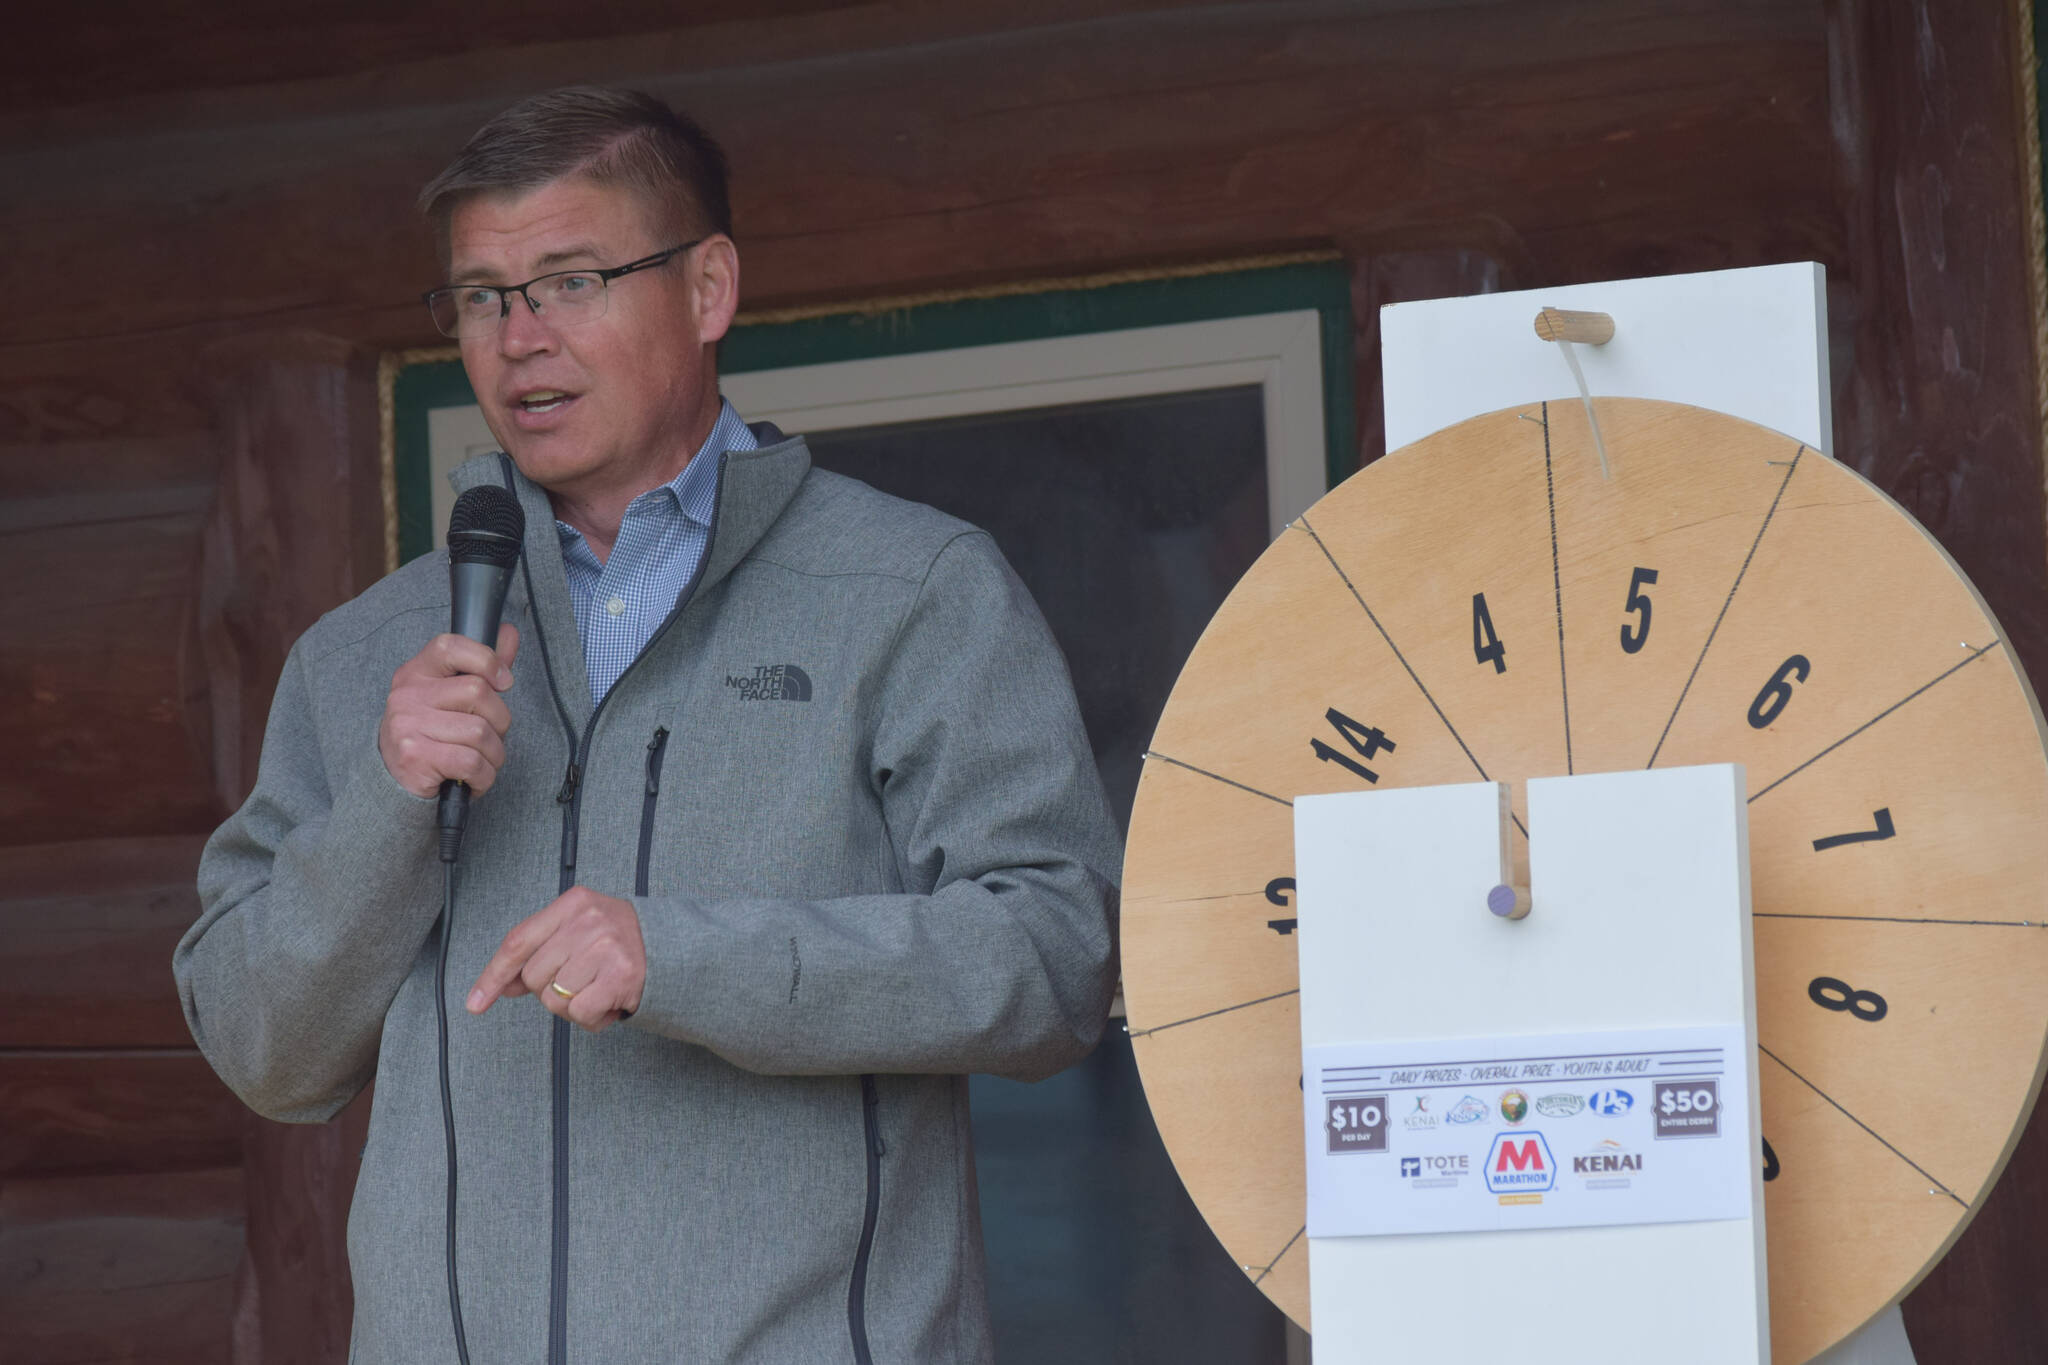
{"x": 506, "y": 964}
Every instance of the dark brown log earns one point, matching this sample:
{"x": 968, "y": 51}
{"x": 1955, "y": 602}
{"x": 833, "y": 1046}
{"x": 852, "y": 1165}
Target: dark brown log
{"x": 177, "y": 469}
{"x": 1119, "y": 138}
{"x": 128, "y": 1269}
{"x": 89, "y": 929}
{"x": 295, "y": 1301}
{"x": 152, "y": 50}
{"x": 179, "y": 1323}
{"x": 298, "y": 528}
{"x": 105, "y": 723}
{"x": 139, "y": 388}
{"x": 1938, "y": 405}
{"x": 98, "y": 644}
{"x": 93, "y": 1112}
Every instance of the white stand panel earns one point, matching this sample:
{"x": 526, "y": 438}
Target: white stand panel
{"x": 1751, "y": 343}
{"x": 1640, "y": 887}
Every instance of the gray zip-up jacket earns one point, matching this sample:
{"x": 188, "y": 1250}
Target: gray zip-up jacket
{"x": 848, "y": 792}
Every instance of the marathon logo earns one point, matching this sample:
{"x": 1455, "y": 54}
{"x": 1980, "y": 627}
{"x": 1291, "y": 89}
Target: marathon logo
{"x": 1519, "y": 1163}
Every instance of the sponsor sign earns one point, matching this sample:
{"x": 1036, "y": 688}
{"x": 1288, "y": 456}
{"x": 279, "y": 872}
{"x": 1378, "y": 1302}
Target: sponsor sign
{"x": 1609, "y": 1103}
{"x": 1520, "y": 1163}
{"x": 1499, "y": 1133}
{"x": 1357, "y": 1123}
{"x": 1607, "y": 1165}
{"x": 1468, "y": 1109}
{"x": 1687, "y": 1109}
{"x": 1435, "y": 1171}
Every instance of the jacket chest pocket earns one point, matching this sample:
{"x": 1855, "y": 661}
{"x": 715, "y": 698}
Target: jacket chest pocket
{"x": 657, "y": 753}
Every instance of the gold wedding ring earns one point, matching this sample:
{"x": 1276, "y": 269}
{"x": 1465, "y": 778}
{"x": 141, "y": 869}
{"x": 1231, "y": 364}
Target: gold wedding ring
{"x": 556, "y": 987}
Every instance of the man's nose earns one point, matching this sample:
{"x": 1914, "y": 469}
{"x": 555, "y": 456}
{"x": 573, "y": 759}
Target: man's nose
{"x": 525, "y": 330}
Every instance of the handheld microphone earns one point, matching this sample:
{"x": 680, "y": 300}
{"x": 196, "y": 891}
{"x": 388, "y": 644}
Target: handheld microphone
{"x": 485, "y": 533}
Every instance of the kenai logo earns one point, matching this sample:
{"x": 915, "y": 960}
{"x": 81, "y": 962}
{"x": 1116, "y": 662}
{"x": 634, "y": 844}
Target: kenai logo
{"x": 773, "y": 682}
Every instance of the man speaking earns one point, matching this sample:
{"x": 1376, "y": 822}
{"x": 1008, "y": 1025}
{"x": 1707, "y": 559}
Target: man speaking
{"x": 782, "y": 821}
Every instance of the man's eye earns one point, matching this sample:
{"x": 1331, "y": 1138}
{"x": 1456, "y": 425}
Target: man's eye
{"x": 477, "y": 300}
{"x": 577, "y": 284}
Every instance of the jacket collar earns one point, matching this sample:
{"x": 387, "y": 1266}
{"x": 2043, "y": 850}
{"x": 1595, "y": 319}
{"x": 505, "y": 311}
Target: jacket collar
{"x": 754, "y": 486}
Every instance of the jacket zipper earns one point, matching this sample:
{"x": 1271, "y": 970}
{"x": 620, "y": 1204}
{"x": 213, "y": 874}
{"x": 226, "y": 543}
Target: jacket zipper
{"x": 656, "y": 748}
{"x": 857, "y": 1289}
{"x": 571, "y": 800}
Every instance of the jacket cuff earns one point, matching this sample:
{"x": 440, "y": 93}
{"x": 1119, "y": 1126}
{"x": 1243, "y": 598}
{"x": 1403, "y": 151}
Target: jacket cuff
{"x": 383, "y": 829}
{"x": 666, "y": 994}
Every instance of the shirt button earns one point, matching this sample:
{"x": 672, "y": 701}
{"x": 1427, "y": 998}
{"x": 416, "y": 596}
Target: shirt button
{"x": 616, "y": 605}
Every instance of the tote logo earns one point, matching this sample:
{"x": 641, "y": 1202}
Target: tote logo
{"x": 773, "y": 682}
{"x": 1520, "y": 1163}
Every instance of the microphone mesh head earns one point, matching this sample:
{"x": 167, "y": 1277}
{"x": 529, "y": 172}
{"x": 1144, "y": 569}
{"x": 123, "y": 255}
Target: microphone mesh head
{"x": 487, "y": 527}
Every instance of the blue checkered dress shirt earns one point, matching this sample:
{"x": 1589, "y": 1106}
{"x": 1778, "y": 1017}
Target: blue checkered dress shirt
{"x": 620, "y": 603}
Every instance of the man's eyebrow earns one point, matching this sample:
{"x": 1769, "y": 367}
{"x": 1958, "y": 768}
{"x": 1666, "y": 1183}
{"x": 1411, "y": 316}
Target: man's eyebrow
{"x": 580, "y": 251}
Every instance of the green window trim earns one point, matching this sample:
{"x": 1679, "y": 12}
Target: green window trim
{"x": 422, "y": 382}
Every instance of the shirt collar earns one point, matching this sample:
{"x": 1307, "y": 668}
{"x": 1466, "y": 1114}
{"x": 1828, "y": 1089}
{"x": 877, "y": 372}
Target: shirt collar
{"x": 694, "y": 492}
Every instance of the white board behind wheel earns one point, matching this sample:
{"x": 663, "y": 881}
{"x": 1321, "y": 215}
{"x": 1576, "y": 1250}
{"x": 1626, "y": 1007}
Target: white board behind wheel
{"x": 1640, "y": 919}
{"x": 1751, "y": 343}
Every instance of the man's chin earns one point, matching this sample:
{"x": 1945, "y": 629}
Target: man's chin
{"x": 548, "y": 463}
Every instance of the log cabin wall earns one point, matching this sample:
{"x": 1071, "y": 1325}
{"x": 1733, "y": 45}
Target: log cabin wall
{"x": 210, "y": 240}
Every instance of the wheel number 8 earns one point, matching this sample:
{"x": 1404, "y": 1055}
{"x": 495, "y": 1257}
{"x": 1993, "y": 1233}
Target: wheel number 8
{"x": 1832, "y": 994}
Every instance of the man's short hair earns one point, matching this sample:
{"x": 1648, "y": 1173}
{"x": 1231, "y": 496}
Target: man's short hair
{"x": 620, "y": 138}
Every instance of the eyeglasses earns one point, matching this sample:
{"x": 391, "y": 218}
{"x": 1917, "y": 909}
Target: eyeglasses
{"x": 565, "y": 298}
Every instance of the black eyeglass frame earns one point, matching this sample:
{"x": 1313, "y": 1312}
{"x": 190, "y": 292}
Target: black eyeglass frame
{"x": 506, "y": 291}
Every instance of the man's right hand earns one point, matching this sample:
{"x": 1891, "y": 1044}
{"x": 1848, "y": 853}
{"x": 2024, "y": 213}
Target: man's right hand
{"x": 444, "y": 718}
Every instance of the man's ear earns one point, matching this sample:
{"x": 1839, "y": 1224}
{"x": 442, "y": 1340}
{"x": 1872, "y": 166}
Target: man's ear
{"x": 715, "y": 286}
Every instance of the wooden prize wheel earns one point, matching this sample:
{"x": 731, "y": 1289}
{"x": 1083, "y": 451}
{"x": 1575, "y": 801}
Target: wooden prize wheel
{"x": 1483, "y": 604}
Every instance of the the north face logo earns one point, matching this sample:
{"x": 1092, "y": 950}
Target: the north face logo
{"x": 773, "y": 682}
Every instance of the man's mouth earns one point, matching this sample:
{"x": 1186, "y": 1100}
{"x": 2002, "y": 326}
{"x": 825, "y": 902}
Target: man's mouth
{"x": 543, "y": 400}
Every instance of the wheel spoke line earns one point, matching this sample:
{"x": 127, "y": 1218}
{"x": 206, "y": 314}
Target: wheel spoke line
{"x": 1282, "y": 1256}
{"x": 1938, "y": 678}
{"x": 1226, "y": 781}
{"x": 1557, "y": 591}
{"x": 1211, "y": 1014}
{"x": 1861, "y": 1124}
{"x": 1906, "y": 919}
{"x": 1402, "y": 659}
{"x": 1729, "y": 601}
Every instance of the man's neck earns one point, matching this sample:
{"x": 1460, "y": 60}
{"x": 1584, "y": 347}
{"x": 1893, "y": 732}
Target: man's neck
{"x": 598, "y": 513}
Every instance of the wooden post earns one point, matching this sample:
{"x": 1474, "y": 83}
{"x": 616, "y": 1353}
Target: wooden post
{"x": 297, "y": 529}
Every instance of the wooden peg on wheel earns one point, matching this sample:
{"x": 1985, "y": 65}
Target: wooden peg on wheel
{"x": 1563, "y": 324}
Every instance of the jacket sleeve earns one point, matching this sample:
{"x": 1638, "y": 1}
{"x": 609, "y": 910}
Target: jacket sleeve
{"x": 315, "y": 899}
{"x": 1000, "y": 956}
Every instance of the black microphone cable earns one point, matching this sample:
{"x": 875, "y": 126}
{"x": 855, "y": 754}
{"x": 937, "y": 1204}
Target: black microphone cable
{"x": 485, "y": 534}
{"x": 447, "y": 1094}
